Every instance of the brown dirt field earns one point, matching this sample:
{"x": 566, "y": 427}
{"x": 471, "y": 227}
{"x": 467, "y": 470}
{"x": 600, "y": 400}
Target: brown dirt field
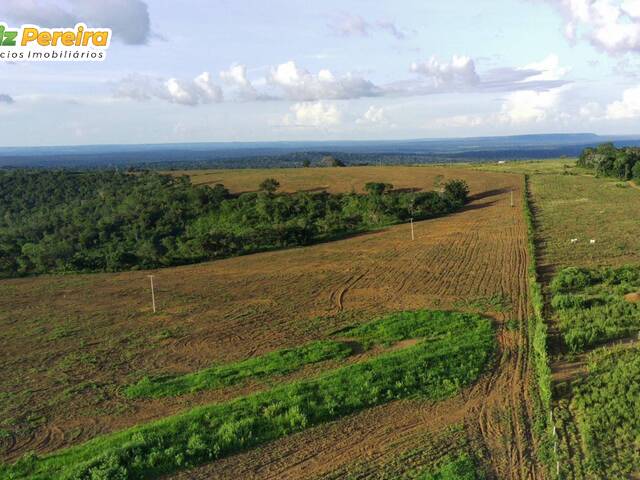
{"x": 70, "y": 342}
{"x": 335, "y": 180}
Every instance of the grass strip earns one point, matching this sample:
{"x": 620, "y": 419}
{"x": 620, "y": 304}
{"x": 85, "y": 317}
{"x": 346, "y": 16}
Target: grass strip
{"x": 538, "y": 339}
{"x": 456, "y": 350}
{"x": 280, "y": 362}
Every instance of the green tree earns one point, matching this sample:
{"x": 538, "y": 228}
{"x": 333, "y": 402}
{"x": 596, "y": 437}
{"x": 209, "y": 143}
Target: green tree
{"x": 377, "y": 188}
{"x": 330, "y": 161}
{"x": 636, "y": 171}
{"x": 270, "y": 185}
{"x": 457, "y": 190}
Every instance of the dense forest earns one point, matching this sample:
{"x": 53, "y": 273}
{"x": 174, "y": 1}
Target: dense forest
{"x": 609, "y": 161}
{"x": 63, "y": 221}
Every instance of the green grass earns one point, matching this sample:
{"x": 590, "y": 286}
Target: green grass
{"x": 537, "y": 332}
{"x": 607, "y": 401}
{"x": 572, "y": 203}
{"x": 454, "y": 351}
{"x": 281, "y": 362}
{"x": 590, "y": 306}
{"x": 454, "y": 468}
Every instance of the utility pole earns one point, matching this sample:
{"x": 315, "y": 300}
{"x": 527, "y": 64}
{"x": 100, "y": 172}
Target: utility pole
{"x": 512, "y": 198}
{"x": 153, "y": 294}
{"x": 412, "y": 236}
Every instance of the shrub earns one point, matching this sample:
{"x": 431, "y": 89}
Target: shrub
{"x": 270, "y": 185}
{"x": 590, "y": 306}
{"x": 457, "y": 190}
{"x": 571, "y": 279}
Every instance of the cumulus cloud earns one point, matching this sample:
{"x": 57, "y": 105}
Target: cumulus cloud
{"x": 548, "y": 69}
{"x": 299, "y": 84}
{"x": 236, "y": 77}
{"x": 374, "y": 115}
{"x": 348, "y": 25}
{"x": 6, "y": 99}
{"x": 313, "y": 114}
{"x": 200, "y": 90}
{"x": 527, "y": 106}
{"x": 610, "y": 25}
{"x": 289, "y": 81}
{"x": 129, "y": 19}
{"x": 459, "y": 72}
{"x": 626, "y": 108}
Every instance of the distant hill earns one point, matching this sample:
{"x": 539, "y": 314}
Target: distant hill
{"x": 277, "y": 154}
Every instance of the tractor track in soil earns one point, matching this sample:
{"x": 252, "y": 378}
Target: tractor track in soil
{"x": 235, "y": 308}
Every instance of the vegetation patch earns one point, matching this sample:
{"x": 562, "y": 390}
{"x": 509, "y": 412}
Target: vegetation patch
{"x": 65, "y": 221}
{"x": 538, "y": 337}
{"x": 592, "y": 305}
{"x": 453, "y": 468}
{"x": 607, "y": 160}
{"x": 453, "y": 351}
{"x": 607, "y": 402}
{"x": 281, "y": 362}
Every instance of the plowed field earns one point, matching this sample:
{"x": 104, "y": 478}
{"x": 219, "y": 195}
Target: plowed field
{"x": 69, "y": 343}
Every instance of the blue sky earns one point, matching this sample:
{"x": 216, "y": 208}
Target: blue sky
{"x": 241, "y": 70}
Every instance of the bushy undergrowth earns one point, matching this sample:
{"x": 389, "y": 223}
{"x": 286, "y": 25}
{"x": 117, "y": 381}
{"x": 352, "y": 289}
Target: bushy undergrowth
{"x": 590, "y": 305}
{"x": 454, "y": 352}
{"x": 538, "y": 338}
{"x": 454, "y": 468}
{"x": 280, "y": 362}
{"x": 608, "y": 404}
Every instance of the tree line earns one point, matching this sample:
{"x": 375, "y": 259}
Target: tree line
{"x": 91, "y": 221}
{"x": 609, "y": 161}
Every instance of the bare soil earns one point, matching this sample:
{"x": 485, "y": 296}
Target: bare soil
{"x": 71, "y": 342}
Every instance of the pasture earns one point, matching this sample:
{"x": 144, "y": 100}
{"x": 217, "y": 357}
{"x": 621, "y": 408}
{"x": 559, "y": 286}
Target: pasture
{"x": 571, "y": 203}
{"x": 588, "y": 247}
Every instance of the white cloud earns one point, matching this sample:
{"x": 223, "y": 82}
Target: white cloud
{"x": 374, "y": 115}
{"x": 591, "y": 111}
{"x": 301, "y": 85}
{"x": 461, "y": 75}
{"x": 129, "y": 19}
{"x": 200, "y": 90}
{"x": 527, "y": 106}
{"x": 313, "y": 114}
{"x": 460, "y": 72}
{"x": 347, "y": 25}
{"x": 610, "y": 25}
{"x": 627, "y": 108}
{"x": 459, "y": 121}
{"x": 236, "y": 75}
{"x": 237, "y": 80}
{"x": 549, "y": 69}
